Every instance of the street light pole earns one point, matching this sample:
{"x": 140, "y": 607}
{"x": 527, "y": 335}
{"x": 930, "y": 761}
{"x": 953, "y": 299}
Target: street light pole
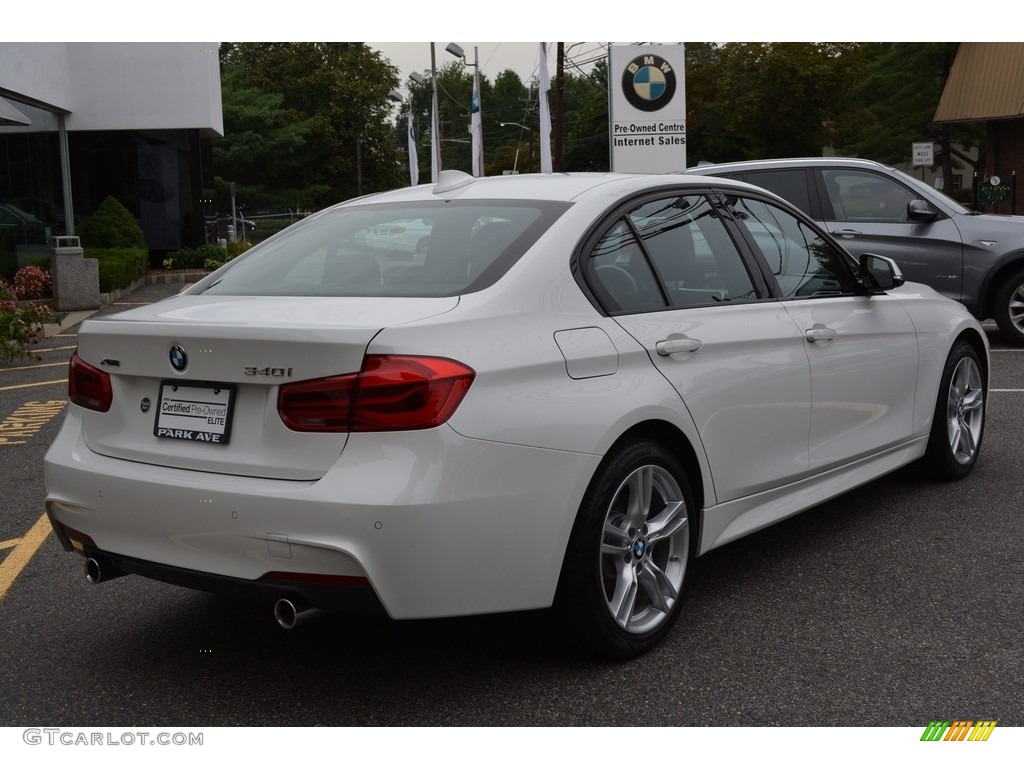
{"x": 529, "y": 140}
{"x": 476, "y": 117}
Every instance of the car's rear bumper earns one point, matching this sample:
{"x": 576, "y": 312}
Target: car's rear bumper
{"x": 435, "y": 523}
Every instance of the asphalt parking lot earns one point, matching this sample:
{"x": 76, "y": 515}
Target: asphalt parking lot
{"x": 896, "y": 604}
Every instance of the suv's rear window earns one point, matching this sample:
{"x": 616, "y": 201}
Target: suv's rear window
{"x": 433, "y": 249}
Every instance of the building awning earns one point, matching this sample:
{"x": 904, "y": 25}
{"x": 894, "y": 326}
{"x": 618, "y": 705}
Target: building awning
{"x": 11, "y": 116}
{"x": 986, "y": 82}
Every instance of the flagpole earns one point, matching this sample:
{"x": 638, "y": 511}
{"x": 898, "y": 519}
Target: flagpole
{"x": 545, "y": 113}
{"x": 435, "y": 130}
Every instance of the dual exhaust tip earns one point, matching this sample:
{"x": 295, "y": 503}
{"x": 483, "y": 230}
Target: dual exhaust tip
{"x": 287, "y": 613}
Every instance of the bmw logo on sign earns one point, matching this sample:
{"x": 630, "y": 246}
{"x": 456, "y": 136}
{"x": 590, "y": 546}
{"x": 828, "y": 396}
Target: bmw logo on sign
{"x": 179, "y": 360}
{"x": 648, "y": 82}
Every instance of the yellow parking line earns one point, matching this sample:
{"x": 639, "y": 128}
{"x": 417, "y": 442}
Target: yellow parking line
{"x": 22, "y": 553}
{"x": 9, "y": 543}
{"x": 37, "y": 384}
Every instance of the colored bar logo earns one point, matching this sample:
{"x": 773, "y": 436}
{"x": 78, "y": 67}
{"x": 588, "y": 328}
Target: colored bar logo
{"x": 958, "y": 730}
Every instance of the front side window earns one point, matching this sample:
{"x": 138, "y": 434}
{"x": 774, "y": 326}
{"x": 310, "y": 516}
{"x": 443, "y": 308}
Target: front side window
{"x": 803, "y": 263}
{"x": 865, "y": 196}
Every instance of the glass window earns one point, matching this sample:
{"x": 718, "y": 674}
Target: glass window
{"x": 621, "y": 275}
{"x": 669, "y": 252}
{"x": 789, "y": 185}
{"x": 803, "y": 263}
{"x": 866, "y": 196}
{"x": 391, "y": 250}
{"x": 697, "y": 260}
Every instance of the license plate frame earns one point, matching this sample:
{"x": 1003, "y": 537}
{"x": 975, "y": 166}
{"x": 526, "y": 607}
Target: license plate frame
{"x": 200, "y": 411}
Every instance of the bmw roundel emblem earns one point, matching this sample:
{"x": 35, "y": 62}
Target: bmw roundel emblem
{"x": 648, "y": 82}
{"x": 179, "y": 360}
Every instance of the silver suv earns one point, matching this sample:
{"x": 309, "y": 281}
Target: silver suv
{"x": 975, "y": 258}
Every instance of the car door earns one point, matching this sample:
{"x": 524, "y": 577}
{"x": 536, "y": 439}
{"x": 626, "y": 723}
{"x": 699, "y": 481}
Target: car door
{"x": 669, "y": 273}
{"x": 862, "y": 350}
{"x": 867, "y": 212}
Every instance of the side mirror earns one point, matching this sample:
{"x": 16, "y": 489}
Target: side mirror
{"x": 879, "y": 274}
{"x": 919, "y": 210}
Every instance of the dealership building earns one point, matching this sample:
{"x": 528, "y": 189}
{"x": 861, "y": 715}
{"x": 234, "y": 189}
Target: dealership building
{"x": 83, "y": 121}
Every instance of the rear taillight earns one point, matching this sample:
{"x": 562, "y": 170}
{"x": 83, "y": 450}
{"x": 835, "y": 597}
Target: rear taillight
{"x": 390, "y": 393}
{"x": 88, "y": 386}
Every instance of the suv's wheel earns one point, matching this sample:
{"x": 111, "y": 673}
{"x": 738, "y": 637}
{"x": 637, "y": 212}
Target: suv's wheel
{"x": 1009, "y": 309}
{"x": 959, "y": 421}
{"x": 629, "y": 555}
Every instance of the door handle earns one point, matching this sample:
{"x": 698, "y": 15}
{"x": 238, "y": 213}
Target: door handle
{"x": 847, "y": 233}
{"x": 672, "y": 346}
{"x": 819, "y": 333}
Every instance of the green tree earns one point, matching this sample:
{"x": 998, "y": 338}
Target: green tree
{"x": 336, "y": 97}
{"x": 263, "y": 145}
{"x": 899, "y": 93}
{"x": 755, "y": 100}
{"x": 585, "y": 119}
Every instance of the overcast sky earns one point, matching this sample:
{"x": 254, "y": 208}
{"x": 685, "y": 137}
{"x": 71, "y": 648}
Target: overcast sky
{"x": 522, "y": 58}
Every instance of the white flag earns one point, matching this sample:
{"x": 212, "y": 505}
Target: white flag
{"x": 475, "y": 126}
{"x": 414, "y": 159}
{"x": 545, "y": 114}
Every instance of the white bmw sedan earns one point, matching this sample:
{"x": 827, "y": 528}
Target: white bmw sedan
{"x": 582, "y": 384}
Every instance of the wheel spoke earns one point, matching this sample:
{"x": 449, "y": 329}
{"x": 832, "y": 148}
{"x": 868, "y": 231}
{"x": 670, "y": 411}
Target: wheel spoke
{"x": 657, "y": 586}
{"x": 973, "y": 401}
{"x": 641, "y": 489}
{"x": 668, "y": 523}
{"x": 624, "y": 599}
{"x": 966, "y": 441}
{"x": 615, "y": 541}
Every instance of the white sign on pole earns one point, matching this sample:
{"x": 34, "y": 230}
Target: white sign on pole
{"x": 647, "y": 108}
{"x": 924, "y": 153}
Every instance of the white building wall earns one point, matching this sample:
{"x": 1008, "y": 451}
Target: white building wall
{"x": 119, "y": 86}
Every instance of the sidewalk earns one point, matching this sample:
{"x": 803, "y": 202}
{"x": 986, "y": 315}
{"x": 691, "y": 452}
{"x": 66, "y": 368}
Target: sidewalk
{"x": 144, "y": 294}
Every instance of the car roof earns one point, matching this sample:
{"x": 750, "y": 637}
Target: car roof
{"x": 567, "y": 187}
{"x": 789, "y": 162}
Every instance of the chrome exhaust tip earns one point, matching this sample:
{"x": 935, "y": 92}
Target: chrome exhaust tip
{"x": 97, "y": 571}
{"x": 289, "y": 615}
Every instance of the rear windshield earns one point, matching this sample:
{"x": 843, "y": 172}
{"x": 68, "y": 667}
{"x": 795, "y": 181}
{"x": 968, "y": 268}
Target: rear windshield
{"x": 441, "y": 248}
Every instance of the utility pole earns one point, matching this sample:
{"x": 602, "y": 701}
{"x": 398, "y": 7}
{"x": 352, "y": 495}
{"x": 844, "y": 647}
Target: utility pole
{"x": 556, "y": 164}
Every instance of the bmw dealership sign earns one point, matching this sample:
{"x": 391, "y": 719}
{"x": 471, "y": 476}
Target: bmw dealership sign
{"x": 647, "y": 108}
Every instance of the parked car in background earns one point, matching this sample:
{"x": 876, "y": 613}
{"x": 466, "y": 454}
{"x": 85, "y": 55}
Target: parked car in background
{"x": 402, "y": 237}
{"x": 585, "y": 382}
{"x": 975, "y": 258}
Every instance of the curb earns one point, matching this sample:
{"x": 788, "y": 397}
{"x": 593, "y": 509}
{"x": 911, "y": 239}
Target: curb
{"x": 153, "y": 278}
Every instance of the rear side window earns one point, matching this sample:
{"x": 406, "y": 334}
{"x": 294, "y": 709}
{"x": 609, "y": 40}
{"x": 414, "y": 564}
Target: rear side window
{"x": 789, "y": 185}
{"x": 432, "y": 249}
{"x": 670, "y": 252}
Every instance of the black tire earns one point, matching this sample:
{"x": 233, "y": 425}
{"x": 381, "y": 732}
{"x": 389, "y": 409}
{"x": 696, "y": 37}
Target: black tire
{"x": 958, "y": 424}
{"x": 1008, "y": 309}
{"x": 619, "y": 548}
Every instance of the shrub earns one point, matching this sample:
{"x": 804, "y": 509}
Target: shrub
{"x": 119, "y": 267}
{"x": 237, "y": 248}
{"x": 20, "y": 324}
{"x": 195, "y": 258}
{"x": 111, "y": 226}
{"x": 31, "y": 283}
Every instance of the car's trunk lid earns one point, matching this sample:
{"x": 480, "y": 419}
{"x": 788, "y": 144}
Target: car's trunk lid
{"x": 218, "y": 413}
